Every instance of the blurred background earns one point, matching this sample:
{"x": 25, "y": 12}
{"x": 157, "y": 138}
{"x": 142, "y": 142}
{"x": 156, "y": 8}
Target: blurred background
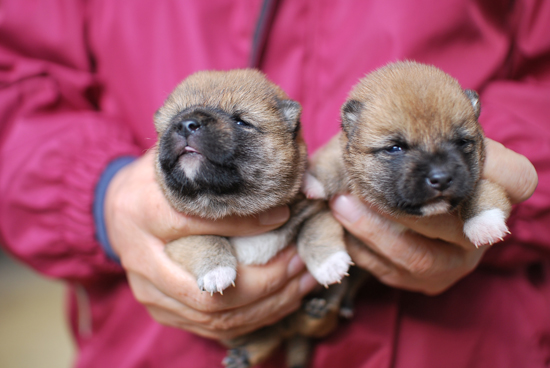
{"x": 33, "y": 328}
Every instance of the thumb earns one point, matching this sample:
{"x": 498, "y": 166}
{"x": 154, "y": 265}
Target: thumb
{"x": 511, "y": 170}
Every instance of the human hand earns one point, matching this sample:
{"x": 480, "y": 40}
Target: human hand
{"x": 435, "y": 254}
{"x": 140, "y": 222}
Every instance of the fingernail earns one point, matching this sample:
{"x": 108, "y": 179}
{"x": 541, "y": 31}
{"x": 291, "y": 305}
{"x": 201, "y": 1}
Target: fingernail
{"x": 307, "y": 283}
{"x": 277, "y": 215}
{"x": 348, "y": 207}
{"x": 295, "y": 265}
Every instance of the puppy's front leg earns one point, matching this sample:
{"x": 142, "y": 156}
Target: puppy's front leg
{"x": 209, "y": 258}
{"x": 321, "y": 246}
{"x": 485, "y": 214}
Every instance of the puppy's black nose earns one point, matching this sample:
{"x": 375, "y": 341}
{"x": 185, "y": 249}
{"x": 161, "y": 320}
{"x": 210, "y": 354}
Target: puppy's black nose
{"x": 188, "y": 126}
{"x": 439, "y": 179}
{"x": 191, "y": 125}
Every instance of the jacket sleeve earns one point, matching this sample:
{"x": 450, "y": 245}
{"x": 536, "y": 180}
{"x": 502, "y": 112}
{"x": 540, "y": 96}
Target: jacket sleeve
{"x": 54, "y": 141}
{"x": 516, "y": 112}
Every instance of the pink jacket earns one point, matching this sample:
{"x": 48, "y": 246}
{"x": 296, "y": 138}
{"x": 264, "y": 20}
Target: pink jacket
{"x": 80, "y": 81}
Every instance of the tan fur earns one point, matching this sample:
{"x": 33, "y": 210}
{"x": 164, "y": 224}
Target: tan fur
{"x": 426, "y": 111}
{"x": 249, "y": 93}
{"x": 191, "y": 251}
{"x": 487, "y": 195}
{"x": 270, "y": 162}
{"x": 327, "y": 167}
{"x": 324, "y": 234}
{"x": 418, "y": 101}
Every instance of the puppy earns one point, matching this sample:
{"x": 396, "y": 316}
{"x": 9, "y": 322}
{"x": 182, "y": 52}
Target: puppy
{"x": 230, "y": 144}
{"x": 411, "y": 145}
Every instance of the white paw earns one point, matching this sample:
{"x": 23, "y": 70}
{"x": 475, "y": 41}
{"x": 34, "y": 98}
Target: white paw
{"x": 217, "y": 280}
{"x": 486, "y": 228}
{"x": 258, "y": 249}
{"x": 333, "y": 269}
{"x": 313, "y": 187}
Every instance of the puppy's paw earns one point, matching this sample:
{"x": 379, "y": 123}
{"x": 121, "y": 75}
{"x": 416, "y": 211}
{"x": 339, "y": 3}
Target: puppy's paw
{"x": 217, "y": 280}
{"x": 332, "y": 269}
{"x": 236, "y": 358}
{"x": 316, "y": 308}
{"x": 346, "y": 311}
{"x": 486, "y": 228}
{"x": 258, "y": 249}
{"x": 313, "y": 188}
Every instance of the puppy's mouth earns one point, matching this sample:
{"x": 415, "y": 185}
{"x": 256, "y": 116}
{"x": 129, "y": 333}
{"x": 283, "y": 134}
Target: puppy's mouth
{"x": 429, "y": 207}
{"x": 188, "y": 150}
{"x": 189, "y": 158}
{"x": 183, "y": 149}
{"x": 189, "y": 161}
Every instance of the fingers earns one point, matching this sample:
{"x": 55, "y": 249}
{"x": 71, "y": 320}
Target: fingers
{"x": 446, "y": 227}
{"x": 399, "y": 257}
{"x": 174, "y": 225}
{"x": 263, "y": 294}
{"x": 427, "y": 273}
{"x": 391, "y": 241}
{"x": 223, "y": 325}
{"x": 253, "y": 303}
{"x": 140, "y": 221}
{"x": 232, "y": 225}
{"x": 511, "y": 170}
{"x": 135, "y": 202}
{"x": 255, "y": 282}
{"x": 252, "y": 284}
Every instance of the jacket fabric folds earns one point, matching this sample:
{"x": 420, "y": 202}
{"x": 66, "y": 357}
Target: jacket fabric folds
{"x": 81, "y": 80}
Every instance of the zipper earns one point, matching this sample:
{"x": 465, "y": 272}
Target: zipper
{"x": 261, "y": 33}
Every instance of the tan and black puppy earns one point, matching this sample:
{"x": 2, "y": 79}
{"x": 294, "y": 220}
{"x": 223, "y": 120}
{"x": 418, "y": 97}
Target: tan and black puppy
{"x": 229, "y": 144}
{"x": 411, "y": 145}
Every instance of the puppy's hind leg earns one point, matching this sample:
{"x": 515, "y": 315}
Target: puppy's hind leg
{"x": 254, "y": 348}
{"x": 298, "y": 351}
{"x": 357, "y": 278}
{"x": 321, "y": 246}
{"x": 209, "y": 258}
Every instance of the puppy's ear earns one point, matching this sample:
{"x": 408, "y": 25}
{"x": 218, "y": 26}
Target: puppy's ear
{"x": 351, "y": 112}
{"x": 474, "y": 99}
{"x": 162, "y": 121}
{"x": 291, "y": 112}
{"x": 156, "y": 119}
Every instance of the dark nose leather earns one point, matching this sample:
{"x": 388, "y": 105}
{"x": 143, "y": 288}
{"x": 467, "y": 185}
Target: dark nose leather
{"x": 190, "y": 126}
{"x": 439, "y": 179}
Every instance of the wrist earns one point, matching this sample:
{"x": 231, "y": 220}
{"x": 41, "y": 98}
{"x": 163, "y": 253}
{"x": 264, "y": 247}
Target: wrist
{"x": 99, "y": 203}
